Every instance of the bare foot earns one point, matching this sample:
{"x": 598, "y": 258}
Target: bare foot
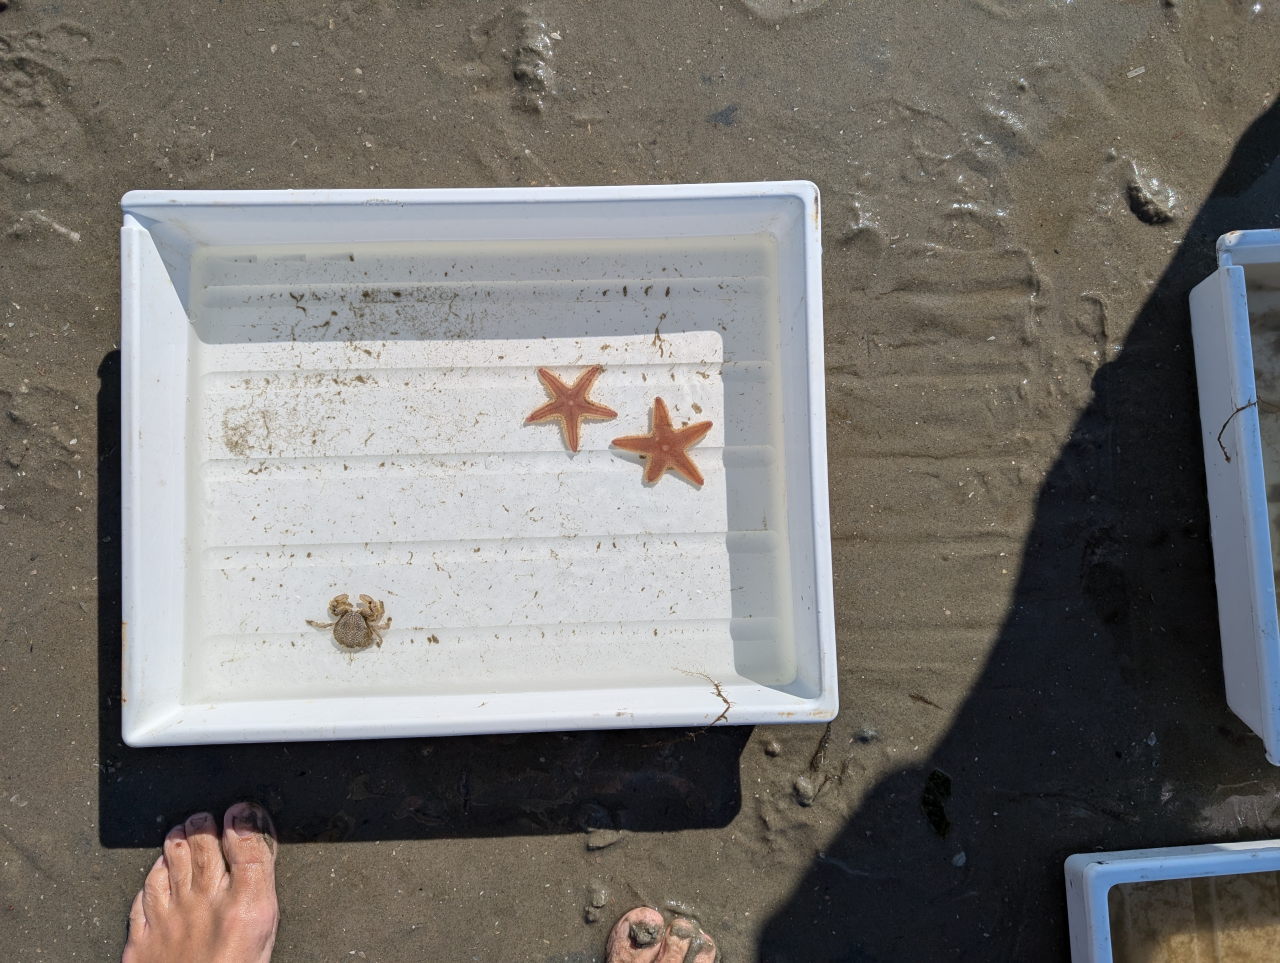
{"x": 643, "y": 936}
{"x": 209, "y": 898}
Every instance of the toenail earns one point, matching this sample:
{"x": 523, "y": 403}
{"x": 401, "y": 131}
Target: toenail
{"x": 198, "y": 820}
{"x": 249, "y": 822}
{"x": 645, "y": 933}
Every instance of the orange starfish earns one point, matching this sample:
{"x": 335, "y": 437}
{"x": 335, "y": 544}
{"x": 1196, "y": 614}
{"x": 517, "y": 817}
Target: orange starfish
{"x": 665, "y": 447}
{"x": 570, "y": 405}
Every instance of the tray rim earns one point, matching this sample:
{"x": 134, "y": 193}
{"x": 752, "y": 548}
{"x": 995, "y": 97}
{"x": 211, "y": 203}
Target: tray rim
{"x": 179, "y": 724}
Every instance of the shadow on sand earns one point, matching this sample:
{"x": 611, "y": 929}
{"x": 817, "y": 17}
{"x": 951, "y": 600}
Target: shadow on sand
{"x": 1099, "y": 721}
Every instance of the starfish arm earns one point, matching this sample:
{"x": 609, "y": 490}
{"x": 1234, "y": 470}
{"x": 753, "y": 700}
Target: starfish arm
{"x": 591, "y": 409}
{"x": 661, "y": 417}
{"x": 690, "y": 435}
{"x": 571, "y": 427}
{"x": 682, "y": 464}
{"x": 548, "y": 412}
{"x": 554, "y": 385}
{"x": 586, "y": 381}
{"x": 657, "y": 465}
{"x": 640, "y": 444}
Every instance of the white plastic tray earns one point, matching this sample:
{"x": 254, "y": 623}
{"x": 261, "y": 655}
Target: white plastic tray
{"x": 325, "y": 393}
{"x": 1090, "y": 877}
{"x": 1235, "y": 321}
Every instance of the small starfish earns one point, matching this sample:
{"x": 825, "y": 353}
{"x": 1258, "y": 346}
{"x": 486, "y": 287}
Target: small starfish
{"x": 666, "y": 448}
{"x": 570, "y": 405}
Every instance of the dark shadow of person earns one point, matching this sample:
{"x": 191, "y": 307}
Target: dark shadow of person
{"x": 1100, "y": 720}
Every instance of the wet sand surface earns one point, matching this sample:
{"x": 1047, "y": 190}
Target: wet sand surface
{"x": 1017, "y": 197}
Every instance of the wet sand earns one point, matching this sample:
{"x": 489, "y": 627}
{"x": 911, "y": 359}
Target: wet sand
{"x": 1016, "y": 198}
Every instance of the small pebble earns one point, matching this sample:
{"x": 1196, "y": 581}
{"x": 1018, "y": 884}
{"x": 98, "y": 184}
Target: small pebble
{"x": 867, "y": 734}
{"x": 1150, "y": 201}
{"x": 806, "y": 790}
{"x": 959, "y": 859}
{"x": 603, "y": 838}
{"x": 772, "y": 747}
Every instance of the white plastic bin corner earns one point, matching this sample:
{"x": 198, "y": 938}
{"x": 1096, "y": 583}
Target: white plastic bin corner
{"x": 1224, "y": 308}
{"x": 1090, "y": 877}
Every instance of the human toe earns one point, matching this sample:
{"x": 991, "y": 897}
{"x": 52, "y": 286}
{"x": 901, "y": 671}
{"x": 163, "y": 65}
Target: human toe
{"x": 177, "y": 858}
{"x": 137, "y": 915}
{"x": 137, "y": 927}
{"x": 248, "y": 837}
{"x": 636, "y": 937}
{"x": 708, "y": 952}
{"x": 686, "y": 943}
{"x": 207, "y": 866}
{"x": 249, "y": 845}
{"x": 156, "y": 893}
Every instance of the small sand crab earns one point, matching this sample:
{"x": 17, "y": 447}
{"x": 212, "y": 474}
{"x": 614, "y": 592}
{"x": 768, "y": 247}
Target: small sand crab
{"x": 357, "y": 625}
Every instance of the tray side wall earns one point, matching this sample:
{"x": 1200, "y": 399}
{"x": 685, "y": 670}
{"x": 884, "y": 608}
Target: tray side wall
{"x": 1237, "y": 501}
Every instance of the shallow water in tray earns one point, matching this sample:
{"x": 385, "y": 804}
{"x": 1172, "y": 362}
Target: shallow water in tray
{"x": 1216, "y": 919}
{"x": 357, "y": 416}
